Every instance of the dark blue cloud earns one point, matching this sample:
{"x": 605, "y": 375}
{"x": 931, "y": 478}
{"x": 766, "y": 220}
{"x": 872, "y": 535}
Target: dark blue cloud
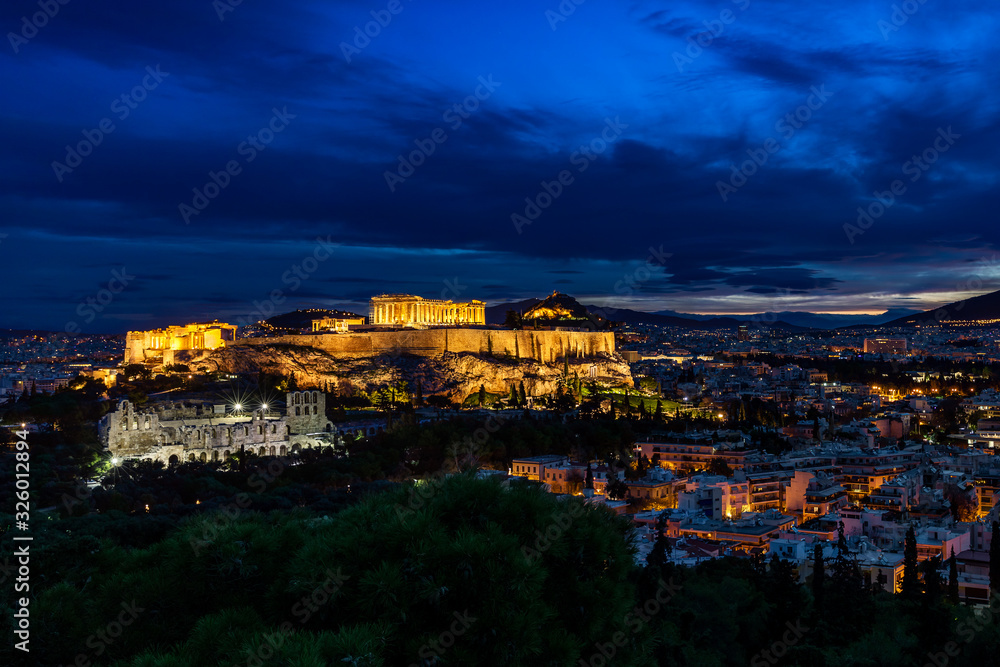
{"x": 777, "y": 242}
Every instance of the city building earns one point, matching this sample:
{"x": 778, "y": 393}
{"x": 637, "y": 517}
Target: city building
{"x": 885, "y": 346}
{"x": 533, "y": 467}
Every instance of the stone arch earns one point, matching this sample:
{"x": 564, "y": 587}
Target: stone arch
{"x": 262, "y": 451}
{"x": 215, "y": 457}
{"x": 273, "y": 450}
{"x": 283, "y": 450}
{"x": 225, "y": 455}
{"x": 295, "y": 448}
{"x": 191, "y": 457}
{"x": 203, "y": 458}
{"x": 173, "y": 460}
{"x": 315, "y": 409}
{"x": 298, "y": 411}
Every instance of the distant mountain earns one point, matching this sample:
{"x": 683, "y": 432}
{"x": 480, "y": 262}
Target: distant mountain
{"x": 984, "y": 308}
{"x": 498, "y": 313}
{"x": 302, "y": 319}
{"x": 807, "y": 320}
{"x": 709, "y": 322}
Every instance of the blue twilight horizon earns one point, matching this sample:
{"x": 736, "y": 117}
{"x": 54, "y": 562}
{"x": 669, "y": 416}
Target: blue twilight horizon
{"x": 193, "y": 159}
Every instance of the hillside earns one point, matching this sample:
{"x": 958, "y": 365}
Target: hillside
{"x": 983, "y": 309}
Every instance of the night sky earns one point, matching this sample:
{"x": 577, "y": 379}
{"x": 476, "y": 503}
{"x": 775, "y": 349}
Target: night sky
{"x": 643, "y": 109}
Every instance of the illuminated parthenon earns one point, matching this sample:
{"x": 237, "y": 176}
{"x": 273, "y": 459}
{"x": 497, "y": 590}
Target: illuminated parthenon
{"x": 407, "y": 310}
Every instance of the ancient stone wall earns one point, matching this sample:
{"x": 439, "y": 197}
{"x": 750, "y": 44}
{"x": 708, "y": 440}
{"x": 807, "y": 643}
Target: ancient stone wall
{"x": 175, "y": 433}
{"x": 305, "y": 412}
{"x": 543, "y": 346}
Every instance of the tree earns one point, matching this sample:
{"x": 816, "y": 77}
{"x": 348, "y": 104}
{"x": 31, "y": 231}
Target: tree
{"x": 953, "y": 578}
{"x": 615, "y": 489}
{"x": 659, "y": 556}
{"x": 136, "y": 371}
{"x": 658, "y": 415}
{"x": 932, "y": 580}
{"x": 418, "y": 397}
{"x": 995, "y": 559}
{"x": 512, "y": 399}
{"x": 718, "y": 466}
{"x": 482, "y": 395}
{"x": 512, "y": 320}
{"x": 522, "y": 396}
{"x": 819, "y": 578}
{"x": 911, "y": 576}
{"x": 370, "y": 596}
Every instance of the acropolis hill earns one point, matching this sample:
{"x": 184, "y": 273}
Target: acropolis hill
{"x": 440, "y": 344}
{"x": 449, "y": 361}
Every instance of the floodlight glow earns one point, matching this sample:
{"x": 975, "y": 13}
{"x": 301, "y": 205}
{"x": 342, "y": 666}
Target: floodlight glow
{"x": 264, "y": 407}
{"x": 238, "y": 406}
{"x": 114, "y": 460}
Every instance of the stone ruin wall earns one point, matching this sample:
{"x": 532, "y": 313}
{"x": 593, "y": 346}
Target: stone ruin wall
{"x": 543, "y": 346}
{"x": 161, "y": 433}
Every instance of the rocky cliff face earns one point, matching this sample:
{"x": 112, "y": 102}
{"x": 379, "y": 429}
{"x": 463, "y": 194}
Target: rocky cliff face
{"x": 453, "y": 375}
